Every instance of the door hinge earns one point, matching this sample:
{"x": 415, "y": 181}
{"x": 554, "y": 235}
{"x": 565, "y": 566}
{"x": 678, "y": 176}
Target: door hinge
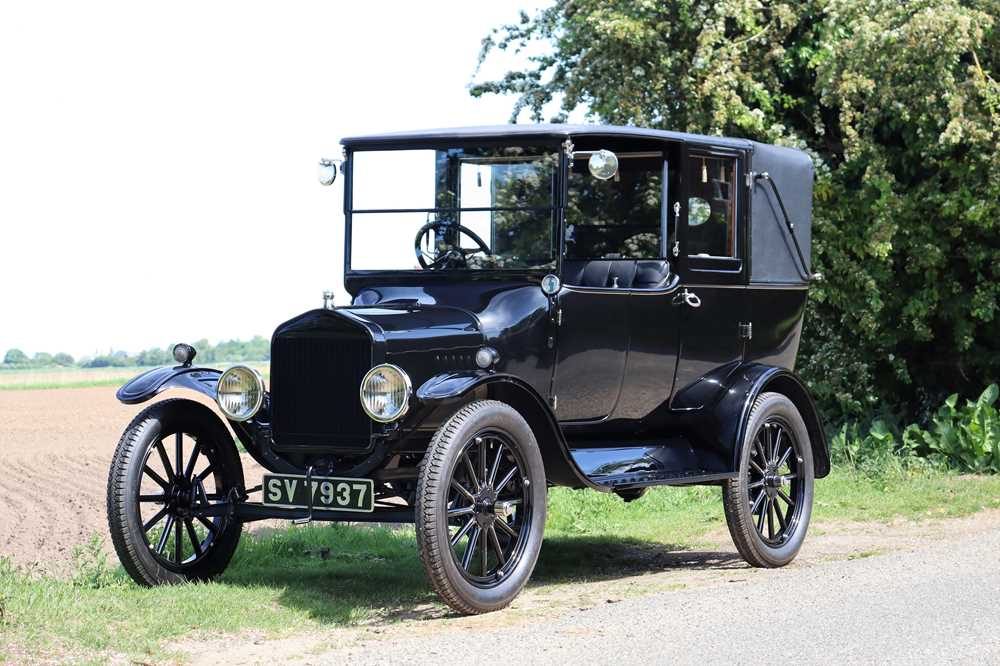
{"x": 746, "y": 330}
{"x": 750, "y": 177}
{"x": 555, "y": 402}
{"x": 558, "y": 317}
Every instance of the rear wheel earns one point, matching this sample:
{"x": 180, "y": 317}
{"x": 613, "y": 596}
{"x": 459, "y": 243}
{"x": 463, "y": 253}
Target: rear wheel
{"x": 481, "y": 507}
{"x": 174, "y": 460}
{"x": 769, "y": 504}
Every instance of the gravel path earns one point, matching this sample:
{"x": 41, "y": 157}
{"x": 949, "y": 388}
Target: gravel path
{"x": 935, "y": 604}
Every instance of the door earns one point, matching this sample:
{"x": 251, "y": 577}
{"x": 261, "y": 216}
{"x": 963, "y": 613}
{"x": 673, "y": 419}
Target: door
{"x": 592, "y": 344}
{"x": 615, "y": 245}
{"x": 712, "y": 299}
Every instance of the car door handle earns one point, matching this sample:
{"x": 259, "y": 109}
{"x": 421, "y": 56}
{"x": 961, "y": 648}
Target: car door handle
{"x": 688, "y": 298}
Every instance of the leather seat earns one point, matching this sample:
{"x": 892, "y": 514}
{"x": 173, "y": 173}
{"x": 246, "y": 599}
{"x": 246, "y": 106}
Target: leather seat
{"x": 600, "y": 273}
{"x": 651, "y": 274}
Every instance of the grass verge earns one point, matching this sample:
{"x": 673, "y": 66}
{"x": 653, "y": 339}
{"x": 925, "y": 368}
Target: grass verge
{"x": 304, "y": 578}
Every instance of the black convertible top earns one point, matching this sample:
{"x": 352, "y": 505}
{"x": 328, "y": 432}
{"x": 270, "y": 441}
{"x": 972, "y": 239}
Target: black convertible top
{"x": 539, "y": 130}
{"x": 773, "y": 255}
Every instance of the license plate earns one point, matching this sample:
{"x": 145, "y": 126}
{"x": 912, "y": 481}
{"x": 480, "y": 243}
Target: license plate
{"x": 327, "y": 492}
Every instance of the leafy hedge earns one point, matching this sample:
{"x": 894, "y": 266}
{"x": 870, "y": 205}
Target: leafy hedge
{"x": 897, "y": 103}
{"x": 966, "y": 438}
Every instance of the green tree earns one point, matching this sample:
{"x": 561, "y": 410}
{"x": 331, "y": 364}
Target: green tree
{"x": 41, "y": 359}
{"x": 63, "y": 359}
{"x": 15, "y": 357}
{"x": 897, "y": 103}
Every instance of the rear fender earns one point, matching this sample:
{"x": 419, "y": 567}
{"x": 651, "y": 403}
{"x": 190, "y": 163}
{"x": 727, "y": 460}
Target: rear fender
{"x": 152, "y": 382}
{"x": 731, "y": 414}
{"x": 459, "y": 388}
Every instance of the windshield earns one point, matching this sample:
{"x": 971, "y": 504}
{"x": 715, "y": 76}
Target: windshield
{"x": 453, "y": 208}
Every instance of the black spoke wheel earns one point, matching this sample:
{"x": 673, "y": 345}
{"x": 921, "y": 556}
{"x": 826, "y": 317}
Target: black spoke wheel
{"x": 768, "y": 506}
{"x": 481, "y": 507}
{"x": 174, "y": 461}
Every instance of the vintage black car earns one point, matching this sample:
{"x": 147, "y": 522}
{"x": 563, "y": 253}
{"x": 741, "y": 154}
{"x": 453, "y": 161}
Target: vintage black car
{"x": 598, "y": 307}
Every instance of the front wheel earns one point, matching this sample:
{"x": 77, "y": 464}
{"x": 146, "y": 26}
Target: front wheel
{"x": 174, "y": 461}
{"x": 769, "y": 504}
{"x": 481, "y": 507}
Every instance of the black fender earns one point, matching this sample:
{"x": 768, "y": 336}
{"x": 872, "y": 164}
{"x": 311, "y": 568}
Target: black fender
{"x": 150, "y": 383}
{"x": 460, "y": 387}
{"x": 729, "y": 416}
{"x": 253, "y": 434}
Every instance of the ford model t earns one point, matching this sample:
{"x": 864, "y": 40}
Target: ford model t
{"x": 595, "y": 307}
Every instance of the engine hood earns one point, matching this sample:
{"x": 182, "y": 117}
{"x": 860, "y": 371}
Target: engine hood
{"x": 418, "y": 328}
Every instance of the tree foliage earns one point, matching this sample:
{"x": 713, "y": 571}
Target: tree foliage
{"x": 899, "y": 107}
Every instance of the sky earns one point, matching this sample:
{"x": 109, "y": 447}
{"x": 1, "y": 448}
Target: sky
{"x": 158, "y": 161}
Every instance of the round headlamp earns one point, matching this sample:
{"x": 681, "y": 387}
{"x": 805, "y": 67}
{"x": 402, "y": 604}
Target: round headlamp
{"x": 385, "y": 393}
{"x": 240, "y": 392}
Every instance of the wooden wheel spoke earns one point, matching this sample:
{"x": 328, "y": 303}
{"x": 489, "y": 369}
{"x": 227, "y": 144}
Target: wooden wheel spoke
{"x": 164, "y": 460}
{"x": 165, "y": 535}
{"x": 462, "y": 490}
{"x": 195, "y": 541}
{"x": 179, "y": 453}
{"x": 155, "y": 477}
{"x": 496, "y": 546}
{"x": 505, "y": 480}
{"x": 194, "y": 458}
{"x": 470, "y": 548}
{"x": 502, "y": 524}
{"x": 462, "y": 532}
{"x": 151, "y": 523}
{"x": 178, "y": 542}
{"x": 770, "y": 518}
{"x": 471, "y": 471}
{"x": 496, "y": 466}
{"x": 781, "y": 518}
{"x": 209, "y": 525}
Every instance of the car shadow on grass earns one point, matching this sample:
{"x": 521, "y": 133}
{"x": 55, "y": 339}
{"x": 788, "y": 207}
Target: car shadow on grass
{"x": 348, "y": 575}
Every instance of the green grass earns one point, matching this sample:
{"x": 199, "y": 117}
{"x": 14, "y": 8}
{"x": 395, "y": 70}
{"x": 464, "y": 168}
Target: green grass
{"x": 282, "y": 582}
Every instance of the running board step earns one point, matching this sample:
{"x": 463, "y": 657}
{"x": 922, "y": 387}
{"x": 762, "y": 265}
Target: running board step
{"x": 673, "y": 462}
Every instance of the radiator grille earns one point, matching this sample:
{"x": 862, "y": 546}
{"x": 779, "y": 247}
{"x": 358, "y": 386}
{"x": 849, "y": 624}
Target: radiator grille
{"x": 315, "y": 378}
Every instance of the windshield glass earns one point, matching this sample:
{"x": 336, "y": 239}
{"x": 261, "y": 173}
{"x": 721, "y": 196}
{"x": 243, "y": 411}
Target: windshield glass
{"x": 453, "y": 208}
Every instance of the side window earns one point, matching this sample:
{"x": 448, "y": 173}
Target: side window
{"x": 618, "y": 218}
{"x": 711, "y": 206}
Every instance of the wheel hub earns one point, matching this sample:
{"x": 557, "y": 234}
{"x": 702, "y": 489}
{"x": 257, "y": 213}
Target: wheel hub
{"x": 484, "y": 507}
{"x": 180, "y": 499}
{"x": 772, "y": 481}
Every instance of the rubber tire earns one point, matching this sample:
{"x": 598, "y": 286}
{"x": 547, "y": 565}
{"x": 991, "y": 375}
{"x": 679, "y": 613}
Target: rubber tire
{"x": 735, "y": 494}
{"x": 124, "y": 521}
{"x": 433, "y": 481}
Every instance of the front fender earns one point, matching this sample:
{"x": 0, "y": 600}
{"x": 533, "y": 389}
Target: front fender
{"x": 459, "y": 387}
{"x": 150, "y": 383}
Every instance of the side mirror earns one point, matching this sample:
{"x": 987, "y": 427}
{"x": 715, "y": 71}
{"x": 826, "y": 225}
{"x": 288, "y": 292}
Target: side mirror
{"x": 603, "y": 164}
{"x": 328, "y": 171}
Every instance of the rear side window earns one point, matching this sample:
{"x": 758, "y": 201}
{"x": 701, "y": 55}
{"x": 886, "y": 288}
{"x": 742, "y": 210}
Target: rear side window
{"x": 619, "y": 218}
{"x": 711, "y": 206}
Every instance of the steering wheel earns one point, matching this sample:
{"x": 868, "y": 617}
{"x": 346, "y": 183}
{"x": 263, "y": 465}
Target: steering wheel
{"x": 452, "y": 254}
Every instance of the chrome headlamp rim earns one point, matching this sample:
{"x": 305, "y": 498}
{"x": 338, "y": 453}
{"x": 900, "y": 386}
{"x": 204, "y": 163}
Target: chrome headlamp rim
{"x": 406, "y": 396}
{"x": 260, "y": 392}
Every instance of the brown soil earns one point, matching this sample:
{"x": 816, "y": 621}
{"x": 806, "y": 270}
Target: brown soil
{"x": 55, "y": 449}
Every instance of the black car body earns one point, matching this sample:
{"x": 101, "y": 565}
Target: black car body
{"x": 634, "y": 320}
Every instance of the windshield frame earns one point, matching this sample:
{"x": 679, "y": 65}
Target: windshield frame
{"x": 555, "y": 207}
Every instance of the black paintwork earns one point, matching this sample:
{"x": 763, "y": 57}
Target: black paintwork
{"x": 647, "y": 389}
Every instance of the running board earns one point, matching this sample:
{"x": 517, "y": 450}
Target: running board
{"x": 672, "y": 463}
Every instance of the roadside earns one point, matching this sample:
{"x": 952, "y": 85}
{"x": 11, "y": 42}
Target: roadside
{"x": 924, "y": 598}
